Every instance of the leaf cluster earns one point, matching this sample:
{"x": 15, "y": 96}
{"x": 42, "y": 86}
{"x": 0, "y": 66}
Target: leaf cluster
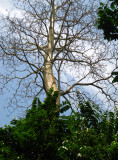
{"x": 108, "y": 19}
{"x": 48, "y": 133}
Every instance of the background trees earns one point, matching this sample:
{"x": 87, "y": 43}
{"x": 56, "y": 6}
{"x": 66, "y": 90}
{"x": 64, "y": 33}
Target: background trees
{"x": 55, "y": 44}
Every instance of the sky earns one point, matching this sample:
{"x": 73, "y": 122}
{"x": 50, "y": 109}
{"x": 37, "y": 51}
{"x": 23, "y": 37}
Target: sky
{"x": 5, "y": 114}
{"x": 5, "y": 4}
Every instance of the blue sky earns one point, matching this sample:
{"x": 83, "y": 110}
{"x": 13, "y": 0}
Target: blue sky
{"x": 5, "y": 115}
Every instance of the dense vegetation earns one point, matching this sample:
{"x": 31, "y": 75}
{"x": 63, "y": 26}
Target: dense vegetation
{"x": 47, "y": 133}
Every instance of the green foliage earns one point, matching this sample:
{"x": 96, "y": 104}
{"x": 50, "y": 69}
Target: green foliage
{"x": 108, "y": 19}
{"x": 46, "y": 133}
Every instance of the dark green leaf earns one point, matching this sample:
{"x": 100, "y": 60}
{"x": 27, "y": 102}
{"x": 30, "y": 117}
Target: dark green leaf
{"x": 115, "y": 79}
{"x": 114, "y": 73}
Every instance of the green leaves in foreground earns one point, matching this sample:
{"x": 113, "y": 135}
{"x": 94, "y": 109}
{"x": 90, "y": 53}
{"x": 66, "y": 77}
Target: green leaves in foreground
{"x": 88, "y": 134}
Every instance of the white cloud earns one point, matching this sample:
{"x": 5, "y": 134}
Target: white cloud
{"x": 6, "y": 6}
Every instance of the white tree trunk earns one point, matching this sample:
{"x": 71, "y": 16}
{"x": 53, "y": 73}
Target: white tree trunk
{"x": 49, "y": 79}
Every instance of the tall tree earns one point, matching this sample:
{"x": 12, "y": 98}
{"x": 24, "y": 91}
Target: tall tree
{"x": 55, "y": 44}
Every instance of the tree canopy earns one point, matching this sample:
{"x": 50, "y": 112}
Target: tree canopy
{"x": 55, "y": 44}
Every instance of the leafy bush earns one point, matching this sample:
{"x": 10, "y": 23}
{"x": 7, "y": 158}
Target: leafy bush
{"x": 45, "y": 134}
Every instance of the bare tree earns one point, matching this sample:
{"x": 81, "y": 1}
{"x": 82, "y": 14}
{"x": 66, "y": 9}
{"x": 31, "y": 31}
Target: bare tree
{"x": 56, "y": 44}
